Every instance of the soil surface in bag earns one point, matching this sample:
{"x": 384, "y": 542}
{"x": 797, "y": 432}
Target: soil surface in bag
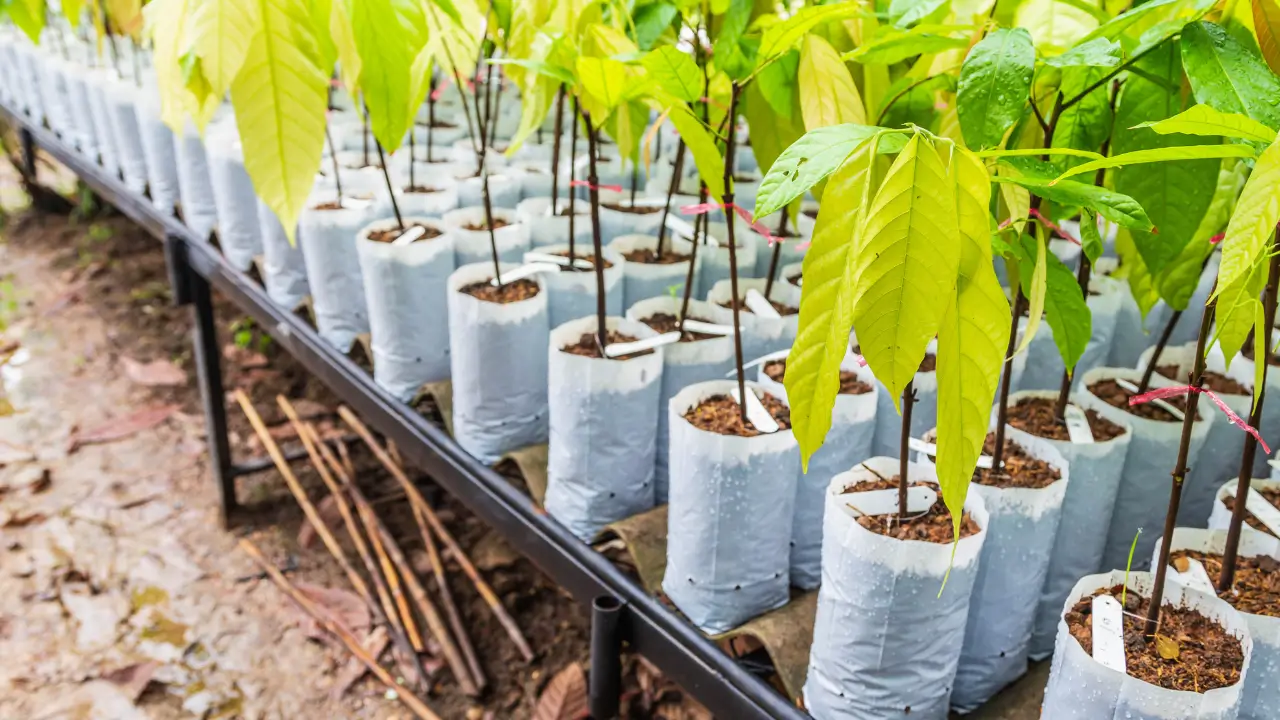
{"x": 586, "y": 345}
{"x": 1257, "y": 585}
{"x": 849, "y": 382}
{"x": 927, "y": 365}
{"x": 1021, "y": 470}
{"x": 795, "y": 279}
{"x": 1035, "y": 416}
{"x": 1247, "y": 351}
{"x": 589, "y": 257}
{"x": 633, "y": 210}
{"x": 1110, "y": 392}
{"x": 780, "y": 307}
{"x": 1272, "y": 495}
{"x": 1216, "y": 382}
{"x": 720, "y": 414}
{"x": 521, "y": 289}
{"x": 934, "y": 526}
{"x": 647, "y": 256}
{"x": 498, "y": 224}
{"x": 420, "y": 190}
{"x": 666, "y": 322}
{"x": 1191, "y": 652}
{"x": 336, "y": 205}
{"x": 389, "y": 236}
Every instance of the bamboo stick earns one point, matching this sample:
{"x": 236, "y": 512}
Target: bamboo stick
{"x": 446, "y": 598}
{"x": 397, "y": 592}
{"x": 411, "y": 701}
{"x": 415, "y": 497}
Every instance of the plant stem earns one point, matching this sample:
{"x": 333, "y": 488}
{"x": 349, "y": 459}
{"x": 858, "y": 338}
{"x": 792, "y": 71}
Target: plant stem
{"x": 602, "y": 329}
{"x": 1109, "y": 76}
{"x": 734, "y": 299}
{"x": 1179, "y": 472}
{"x": 635, "y": 178}
{"x": 702, "y": 194}
{"x": 777, "y": 253}
{"x": 1006, "y": 378}
{"x": 1231, "y": 551}
{"x": 413, "y": 156}
{"x": 573, "y": 174}
{"x": 333, "y": 158}
{"x": 555, "y": 153}
{"x": 391, "y": 191}
{"x": 364, "y": 134}
{"x": 908, "y": 400}
{"x": 431, "y": 117}
{"x": 1159, "y": 350}
{"x": 1064, "y": 390}
{"x": 496, "y": 94}
{"x": 676, "y": 172}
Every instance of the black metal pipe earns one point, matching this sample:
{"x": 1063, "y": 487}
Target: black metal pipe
{"x": 606, "y": 657}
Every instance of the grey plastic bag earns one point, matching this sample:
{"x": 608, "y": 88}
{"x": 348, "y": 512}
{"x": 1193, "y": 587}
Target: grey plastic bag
{"x": 641, "y": 281}
{"x": 158, "y": 152}
{"x": 571, "y": 294}
{"x": 760, "y": 335}
{"x": 1044, "y": 366}
{"x": 328, "y": 240}
{"x": 239, "y": 235}
{"x": 544, "y": 230}
{"x": 473, "y": 246}
{"x": 284, "y": 269}
{"x": 195, "y": 187}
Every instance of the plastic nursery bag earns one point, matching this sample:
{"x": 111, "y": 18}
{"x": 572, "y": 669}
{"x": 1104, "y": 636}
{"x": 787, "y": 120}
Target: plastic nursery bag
{"x": 328, "y": 240}
{"x": 238, "y": 233}
{"x": 571, "y": 294}
{"x": 284, "y": 270}
{"x": 473, "y": 246}
{"x": 195, "y": 188}
{"x": 641, "y": 281}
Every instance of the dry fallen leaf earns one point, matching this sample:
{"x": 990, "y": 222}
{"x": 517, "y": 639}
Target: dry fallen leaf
{"x": 133, "y": 679}
{"x": 243, "y": 357}
{"x": 12, "y": 454}
{"x": 343, "y": 607}
{"x": 21, "y": 520}
{"x": 375, "y": 644}
{"x": 1181, "y": 564}
{"x": 153, "y": 374}
{"x": 565, "y": 697}
{"x": 1168, "y": 647}
{"x": 122, "y": 427}
{"x": 310, "y": 409}
{"x": 41, "y": 483}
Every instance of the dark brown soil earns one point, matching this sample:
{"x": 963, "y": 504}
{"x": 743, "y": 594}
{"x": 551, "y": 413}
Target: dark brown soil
{"x": 1247, "y": 351}
{"x": 1110, "y": 392}
{"x": 849, "y": 382}
{"x": 934, "y": 526}
{"x": 720, "y": 414}
{"x": 590, "y": 257}
{"x": 1216, "y": 382}
{"x": 388, "y": 236}
{"x": 498, "y": 224}
{"x": 1020, "y": 469}
{"x": 795, "y": 279}
{"x": 586, "y": 346}
{"x": 522, "y": 289}
{"x": 666, "y": 322}
{"x": 420, "y": 190}
{"x": 1035, "y": 416}
{"x": 633, "y": 210}
{"x": 811, "y": 213}
{"x": 1271, "y": 495}
{"x": 335, "y": 205}
{"x": 650, "y": 257}
{"x": 437, "y": 124}
{"x": 781, "y": 308}
{"x": 1257, "y": 584}
{"x": 927, "y": 365}
{"x": 1208, "y": 657}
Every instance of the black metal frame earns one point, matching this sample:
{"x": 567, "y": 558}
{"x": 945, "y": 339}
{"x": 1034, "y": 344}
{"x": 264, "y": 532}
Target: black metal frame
{"x": 629, "y": 615}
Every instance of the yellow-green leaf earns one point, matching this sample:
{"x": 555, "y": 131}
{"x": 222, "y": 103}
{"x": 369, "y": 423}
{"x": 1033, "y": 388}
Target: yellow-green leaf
{"x": 164, "y": 23}
{"x": 280, "y": 97}
{"x": 1141, "y": 284}
{"x": 1266, "y": 25}
{"x": 601, "y": 84}
{"x": 72, "y": 10}
{"x": 29, "y": 16}
{"x": 389, "y": 34}
{"x": 1236, "y": 309}
{"x": 344, "y": 41}
{"x": 1163, "y": 154}
{"x": 827, "y": 93}
{"x": 1204, "y": 120}
{"x": 221, "y": 31}
{"x": 1257, "y": 211}
{"x": 1259, "y": 351}
{"x": 1039, "y": 286}
{"x": 782, "y": 36}
{"x": 706, "y": 154}
{"x": 904, "y": 264}
{"x": 971, "y": 340}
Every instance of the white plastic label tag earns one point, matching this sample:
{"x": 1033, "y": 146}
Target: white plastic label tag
{"x": 707, "y": 328}
{"x": 680, "y": 226}
{"x": 355, "y": 203}
{"x": 928, "y": 448}
{"x": 1078, "y": 426}
{"x": 885, "y": 502}
{"x": 626, "y": 348}
{"x": 756, "y": 414}
{"x": 1195, "y": 577}
{"x": 410, "y": 235}
{"x": 561, "y": 260}
{"x": 525, "y": 271}
{"x": 1108, "y": 633}
{"x": 1266, "y": 513}
{"x": 1175, "y": 412}
{"x": 757, "y": 303}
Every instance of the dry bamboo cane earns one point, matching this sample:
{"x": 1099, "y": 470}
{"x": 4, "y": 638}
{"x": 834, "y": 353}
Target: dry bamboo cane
{"x": 377, "y": 530}
{"x": 415, "y": 497}
{"x": 397, "y": 592}
{"x": 446, "y": 597}
{"x": 411, "y": 701}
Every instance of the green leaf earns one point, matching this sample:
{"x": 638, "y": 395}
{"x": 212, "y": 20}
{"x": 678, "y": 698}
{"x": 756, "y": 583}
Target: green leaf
{"x": 221, "y": 31}
{"x": 706, "y": 154}
{"x": 1245, "y": 243}
{"x": 893, "y": 46}
{"x": 675, "y": 72}
{"x": 1037, "y": 152}
{"x": 902, "y": 268}
{"x": 1226, "y": 75}
{"x": 1090, "y": 239}
{"x": 1150, "y": 22}
{"x": 1205, "y": 120}
{"x": 905, "y": 13}
{"x": 1179, "y": 278}
{"x": 827, "y": 93}
{"x": 1097, "y": 52}
{"x": 601, "y": 82}
{"x": 770, "y": 132}
{"x": 1037, "y": 288}
{"x": 810, "y": 159}
{"x": 778, "y": 84}
{"x": 995, "y": 82}
{"x": 972, "y": 338}
{"x": 626, "y": 126}
{"x": 1055, "y": 26}
{"x": 1266, "y": 25}
{"x": 733, "y": 54}
{"x": 1066, "y": 312}
{"x": 1161, "y": 155}
{"x": 389, "y": 34}
{"x": 71, "y": 10}
{"x": 652, "y": 20}
{"x": 28, "y": 15}
{"x": 280, "y": 98}
{"x": 1114, "y": 206}
{"x": 1236, "y": 309}
{"x": 1141, "y": 284}
{"x": 783, "y": 36}
{"x": 826, "y": 308}
{"x": 541, "y": 67}
{"x": 344, "y": 42}
{"x": 1087, "y": 124}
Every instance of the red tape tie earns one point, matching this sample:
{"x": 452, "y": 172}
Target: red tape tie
{"x": 1051, "y": 225}
{"x": 1217, "y": 238}
{"x": 1161, "y": 393}
{"x": 741, "y": 212}
{"x": 585, "y": 184}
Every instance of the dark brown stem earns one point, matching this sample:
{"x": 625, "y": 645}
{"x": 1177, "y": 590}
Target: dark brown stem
{"x": 602, "y": 329}
{"x": 573, "y": 175}
{"x": 1231, "y": 552}
{"x": 1006, "y": 378}
{"x": 413, "y": 156}
{"x": 735, "y": 299}
{"x": 1195, "y": 379}
{"x": 431, "y": 117}
{"x": 391, "y": 191}
{"x": 908, "y": 400}
{"x": 333, "y": 158}
{"x": 702, "y": 197}
{"x": 555, "y": 153}
{"x": 1159, "y": 350}
{"x": 635, "y": 179}
{"x": 1064, "y": 391}
{"x": 777, "y": 253}
{"x": 671, "y": 191}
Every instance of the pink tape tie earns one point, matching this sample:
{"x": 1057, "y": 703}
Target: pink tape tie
{"x": 585, "y": 184}
{"x": 756, "y": 227}
{"x": 1051, "y": 225}
{"x": 1161, "y": 393}
{"x": 1217, "y": 238}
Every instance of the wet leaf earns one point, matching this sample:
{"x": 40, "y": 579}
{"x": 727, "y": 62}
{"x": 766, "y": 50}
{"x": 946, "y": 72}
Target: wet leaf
{"x": 123, "y": 427}
{"x": 156, "y": 373}
{"x": 1168, "y": 647}
{"x": 565, "y": 697}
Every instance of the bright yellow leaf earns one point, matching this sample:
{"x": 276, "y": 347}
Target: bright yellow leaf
{"x": 221, "y": 31}
{"x": 827, "y": 93}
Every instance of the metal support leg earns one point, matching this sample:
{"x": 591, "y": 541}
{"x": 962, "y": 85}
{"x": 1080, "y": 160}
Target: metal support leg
{"x": 606, "y": 657}
{"x": 28, "y": 143}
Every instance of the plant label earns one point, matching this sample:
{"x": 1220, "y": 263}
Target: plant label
{"x": 1108, "y": 633}
{"x": 1078, "y": 426}
{"x": 1162, "y": 404}
{"x": 680, "y": 226}
{"x": 928, "y": 448}
{"x": 1195, "y": 577}
{"x": 626, "y": 348}
{"x": 561, "y": 260}
{"x": 649, "y": 202}
{"x": 1266, "y": 513}
{"x": 885, "y": 502}
{"x": 707, "y": 328}
{"x": 410, "y": 235}
{"x": 757, "y": 414}
{"x": 356, "y": 203}
{"x": 525, "y": 271}
{"x": 762, "y": 308}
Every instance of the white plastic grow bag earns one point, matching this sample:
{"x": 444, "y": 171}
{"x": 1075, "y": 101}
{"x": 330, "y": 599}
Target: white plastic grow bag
{"x": 713, "y": 257}
{"x": 284, "y": 270}
{"x": 239, "y": 234}
{"x": 760, "y": 335}
{"x": 328, "y": 240}
{"x": 571, "y": 294}
{"x": 1242, "y": 366}
{"x": 853, "y": 427}
{"x": 122, "y": 98}
{"x": 616, "y": 223}
{"x": 83, "y": 130}
{"x": 158, "y": 152}
{"x": 641, "y": 281}
{"x": 504, "y": 190}
{"x": 1044, "y": 366}
{"x": 603, "y": 425}
{"x": 473, "y": 246}
{"x": 195, "y": 187}
{"x": 924, "y": 413}
{"x": 1220, "y": 517}
{"x": 731, "y": 506}
{"x": 442, "y": 198}
{"x": 883, "y": 639}
{"x": 1081, "y": 688}
{"x": 499, "y": 367}
{"x": 544, "y": 230}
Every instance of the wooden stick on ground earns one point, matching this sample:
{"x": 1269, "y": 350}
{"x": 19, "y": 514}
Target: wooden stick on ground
{"x": 402, "y": 639}
{"x": 397, "y": 592}
{"x": 379, "y": 531}
{"x": 345, "y": 453}
{"x": 411, "y": 701}
{"x": 415, "y": 497}
{"x": 446, "y": 597}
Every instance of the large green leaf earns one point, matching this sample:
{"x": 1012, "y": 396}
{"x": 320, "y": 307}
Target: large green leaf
{"x": 995, "y": 82}
{"x": 902, "y": 266}
{"x": 972, "y": 338}
{"x": 1098, "y": 52}
{"x": 652, "y": 20}
{"x": 827, "y": 93}
{"x": 1090, "y": 239}
{"x": 71, "y": 10}
{"x": 1205, "y": 120}
{"x": 1087, "y": 124}
{"x": 826, "y": 307}
{"x": 1254, "y": 220}
{"x": 778, "y": 83}
{"x": 1055, "y": 25}
{"x": 905, "y": 13}
{"x": 892, "y": 46}
{"x": 810, "y": 159}
{"x": 706, "y": 154}
{"x": 1116, "y": 207}
{"x": 280, "y": 97}
{"x": 221, "y": 31}
{"x": 602, "y": 83}
{"x": 389, "y": 34}
{"x": 1228, "y": 75}
{"x": 770, "y": 132}
{"x": 1066, "y": 312}
{"x": 344, "y": 43}
{"x": 1178, "y": 281}
{"x": 1161, "y": 155}
{"x": 783, "y": 36}
{"x": 675, "y": 72}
